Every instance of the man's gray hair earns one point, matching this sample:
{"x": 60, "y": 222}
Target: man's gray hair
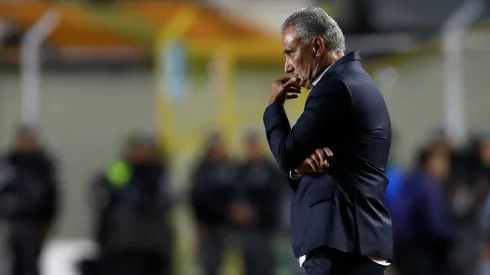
{"x": 312, "y": 22}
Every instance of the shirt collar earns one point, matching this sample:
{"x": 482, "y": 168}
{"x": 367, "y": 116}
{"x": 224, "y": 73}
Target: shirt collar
{"x": 318, "y": 78}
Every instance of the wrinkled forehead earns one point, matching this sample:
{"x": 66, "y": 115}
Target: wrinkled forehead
{"x": 289, "y": 37}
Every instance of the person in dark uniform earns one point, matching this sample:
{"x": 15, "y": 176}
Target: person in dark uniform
{"x": 441, "y": 141}
{"x": 260, "y": 186}
{"x": 469, "y": 199}
{"x": 213, "y": 189}
{"x": 483, "y": 147}
{"x": 28, "y": 199}
{"x": 422, "y": 225}
{"x": 132, "y": 201}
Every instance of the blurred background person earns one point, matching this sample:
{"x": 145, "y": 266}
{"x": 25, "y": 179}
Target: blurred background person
{"x": 214, "y": 186}
{"x": 28, "y": 199}
{"x": 469, "y": 199}
{"x": 422, "y": 226}
{"x": 395, "y": 173}
{"x": 132, "y": 202}
{"x": 485, "y": 176}
{"x": 10, "y": 33}
{"x": 255, "y": 212}
{"x": 442, "y": 142}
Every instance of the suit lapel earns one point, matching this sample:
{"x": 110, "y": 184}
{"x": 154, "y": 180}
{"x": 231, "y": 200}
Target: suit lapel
{"x": 309, "y": 96}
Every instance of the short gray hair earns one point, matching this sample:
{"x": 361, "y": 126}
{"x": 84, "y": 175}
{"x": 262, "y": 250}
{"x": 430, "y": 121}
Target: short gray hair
{"x": 314, "y": 21}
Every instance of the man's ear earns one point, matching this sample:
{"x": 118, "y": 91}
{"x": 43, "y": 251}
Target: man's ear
{"x": 318, "y": 46}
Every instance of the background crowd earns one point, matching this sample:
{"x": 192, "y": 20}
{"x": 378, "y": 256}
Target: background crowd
{"x": 132, "y": 141}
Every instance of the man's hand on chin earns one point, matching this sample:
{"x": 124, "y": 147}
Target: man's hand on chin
{"x": 316, "y": 162}
{"x": 284, "y": 89}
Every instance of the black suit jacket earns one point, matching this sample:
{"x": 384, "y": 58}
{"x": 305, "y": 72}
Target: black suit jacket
{"x": 343, "y": 207}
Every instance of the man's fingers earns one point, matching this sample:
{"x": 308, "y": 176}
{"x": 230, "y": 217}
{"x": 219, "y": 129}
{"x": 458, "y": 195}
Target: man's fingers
{"x": 317, "y": 161}
{"x": 292, "y": 96}
{"x": 288, "y": 81}
{"x": 292, "y": 88}
{"x": 283, "y": 80}
{"x": 293, "y": 91}
{"x": 328, "y": 151}
{"x": 321, "y": 157}
{"x": 312, "y": 164}
{"x": 293, "y": 82}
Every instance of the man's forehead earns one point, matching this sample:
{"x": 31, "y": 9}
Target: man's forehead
{"x": 289, "y": 36}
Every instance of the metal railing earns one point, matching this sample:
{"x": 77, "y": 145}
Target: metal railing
{"x": 30, "y": 60}
{"x": 453, "y": 34}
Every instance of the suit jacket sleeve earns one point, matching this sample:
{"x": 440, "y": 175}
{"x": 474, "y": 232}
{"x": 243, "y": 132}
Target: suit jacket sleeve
{"x": 326, "y": 104}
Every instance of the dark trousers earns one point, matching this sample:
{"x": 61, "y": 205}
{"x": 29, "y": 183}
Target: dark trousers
{"x": 255, "y": 245}
{"x": 421, "y": 260}
{"x": 212, "y": 248}
{"x": 132, "y": 263}
{"x": 257, "y": 251}
{"x": 25, "y": 242}
{"x": 328, "y": 261}
{"x": 127, "y": 263}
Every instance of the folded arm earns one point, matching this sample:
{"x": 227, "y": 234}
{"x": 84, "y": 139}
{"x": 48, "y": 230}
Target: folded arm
{"x": 326, "y": 105}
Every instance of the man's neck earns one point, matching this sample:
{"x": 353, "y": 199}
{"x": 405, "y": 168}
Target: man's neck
{"x": 328, "y": 61}
{"x": 321, "y": 70}
{"x": 325, "y": 63}
{"x": 333, "y": 57}
{"x": 337, "y": 56}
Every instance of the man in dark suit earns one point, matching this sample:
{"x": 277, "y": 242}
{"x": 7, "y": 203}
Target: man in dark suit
{"x": 339, "y": 223}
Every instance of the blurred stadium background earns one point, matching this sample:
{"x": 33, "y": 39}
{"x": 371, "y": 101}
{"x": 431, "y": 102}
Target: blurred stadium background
{"x": 88, "y": 73}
